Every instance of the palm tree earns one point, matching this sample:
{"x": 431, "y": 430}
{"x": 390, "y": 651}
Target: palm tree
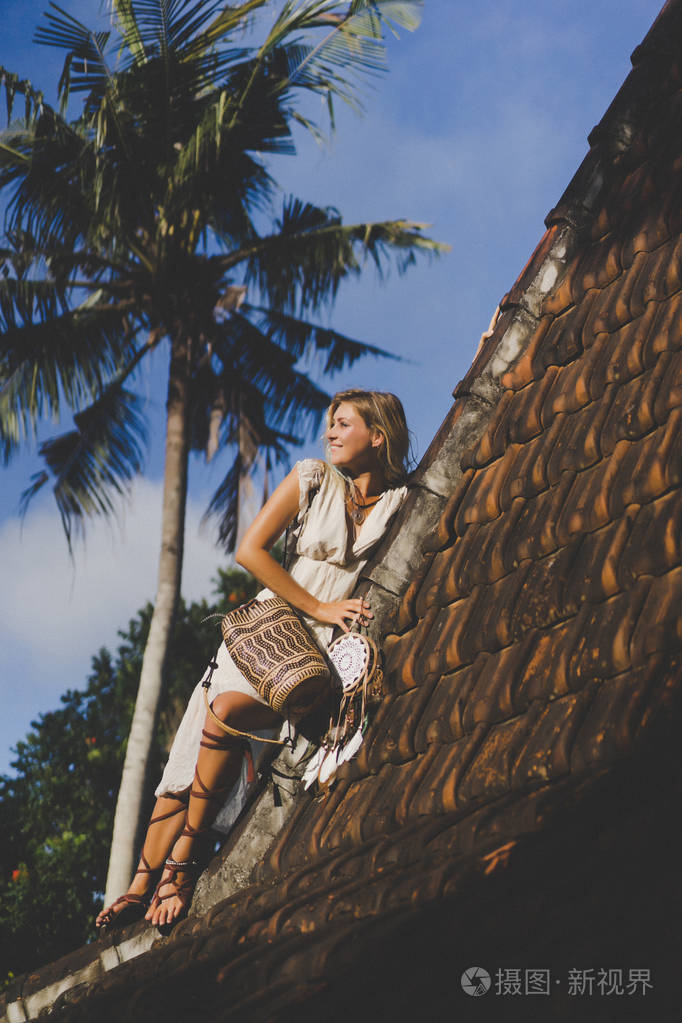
{"x": 138, "y": 226}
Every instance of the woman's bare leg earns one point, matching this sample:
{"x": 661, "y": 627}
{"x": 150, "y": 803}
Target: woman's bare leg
{"x": 218, "y": 767}
{"x": 166, "y": 823}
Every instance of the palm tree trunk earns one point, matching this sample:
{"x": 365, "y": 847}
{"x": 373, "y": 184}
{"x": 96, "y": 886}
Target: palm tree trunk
{"x": 129, "y": 806}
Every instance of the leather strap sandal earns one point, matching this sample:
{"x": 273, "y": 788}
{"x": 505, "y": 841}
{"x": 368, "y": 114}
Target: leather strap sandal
{"x": 133, "y": 906}
{"x": 180, "y": 876}
{"x": 182, "y": 889}
{"x": 170, "y": 887}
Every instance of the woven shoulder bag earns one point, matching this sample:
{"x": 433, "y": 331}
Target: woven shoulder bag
{"x": 274, "y": 651}
{"x": 272, "y": 648}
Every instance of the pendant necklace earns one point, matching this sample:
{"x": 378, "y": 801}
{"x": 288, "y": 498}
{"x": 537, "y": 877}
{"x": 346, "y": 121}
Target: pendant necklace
{"x": 358, "y": 509}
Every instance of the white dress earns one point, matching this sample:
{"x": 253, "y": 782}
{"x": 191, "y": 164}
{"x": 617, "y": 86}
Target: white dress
{"x": 327, "y": 563}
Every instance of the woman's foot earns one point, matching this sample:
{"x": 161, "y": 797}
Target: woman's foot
{"x": 164, "y": 827}
{"x": 173, "y": 894}
{"x": 130, "y": 906}
{"x": 126, "y": 909}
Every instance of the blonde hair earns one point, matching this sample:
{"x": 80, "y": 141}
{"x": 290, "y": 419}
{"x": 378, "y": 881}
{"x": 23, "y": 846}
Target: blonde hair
{"x": 383, "y": 412}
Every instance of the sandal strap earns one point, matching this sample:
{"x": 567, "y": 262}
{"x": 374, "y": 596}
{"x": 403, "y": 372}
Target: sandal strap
{"x": 218, "y": 742}
{"x": 109, "y": 915}
{"x": 206, "y": 792}
{"x": 182, "y": 889}
{"x": 131, "y": 900}
{"x": 146, "y": 869}
{"x": 174, "y": 891}
{"x": 170, "y": 813}
{"x": 189, "y": 831}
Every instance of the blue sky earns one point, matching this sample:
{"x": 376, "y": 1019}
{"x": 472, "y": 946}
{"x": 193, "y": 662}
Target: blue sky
{"x": 477, "y": 129}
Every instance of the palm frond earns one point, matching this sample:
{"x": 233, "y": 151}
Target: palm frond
{"x": 229, "y": 160}
{"x": 86, "y": 67}
{"x": 391, "y": 14}
{"x": 351, "y": 50}
{"x": 187, "y": 29}
{"x": 310, "y": 126}
{"x": 54, "y": 270}
{"x": 250, "y": 437}
{"x": 301, "y": 265}
{"x": 68, "y": 33}
{"x": 250, "y": 359}
{"x": 306, "y": 340}
{"x": 161, "y": 23}
{"x": 34, "y": 103}
{"x": 187, "y": 20}
{"x": 66, "y": 358}
{"x": 93, "y": 464}
{"x": 25, "y": 301}
{"x": 222, "y": 156}
{"x": 224, "y": 506}
{"x": 46, "y": 167}
{"x": 269, "y": 53}
{"x": 244, "y": 360}
{"x": 231, "y": 17}
{"x": 123, "y": 16}
{"x": 207, "y": 410}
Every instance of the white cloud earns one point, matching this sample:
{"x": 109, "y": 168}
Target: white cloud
{"x": 55, "y": 614}
{"x": 111, "y": 576}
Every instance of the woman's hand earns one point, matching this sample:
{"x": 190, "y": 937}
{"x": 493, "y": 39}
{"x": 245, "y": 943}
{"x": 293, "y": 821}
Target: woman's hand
{"x": 354, "y": 609}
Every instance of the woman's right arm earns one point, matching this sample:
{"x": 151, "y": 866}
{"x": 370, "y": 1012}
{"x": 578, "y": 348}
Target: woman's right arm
{"x": 253, "y": 554}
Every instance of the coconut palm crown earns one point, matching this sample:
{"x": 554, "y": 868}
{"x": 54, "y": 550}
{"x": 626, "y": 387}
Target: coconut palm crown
{"x": 151, "y": 222}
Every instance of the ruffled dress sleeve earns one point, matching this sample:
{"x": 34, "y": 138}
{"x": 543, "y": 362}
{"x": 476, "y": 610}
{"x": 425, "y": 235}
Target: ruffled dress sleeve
{"x": 310, "y": 476}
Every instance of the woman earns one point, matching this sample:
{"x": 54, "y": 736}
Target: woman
{"x": 344, "y": 506}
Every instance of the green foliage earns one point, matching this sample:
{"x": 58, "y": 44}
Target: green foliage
{"x": 56, "y": 814}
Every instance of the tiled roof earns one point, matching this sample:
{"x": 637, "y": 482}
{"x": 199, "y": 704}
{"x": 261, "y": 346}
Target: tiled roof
{"x": 538, "y": 637}
{"x": 531, "y": 595}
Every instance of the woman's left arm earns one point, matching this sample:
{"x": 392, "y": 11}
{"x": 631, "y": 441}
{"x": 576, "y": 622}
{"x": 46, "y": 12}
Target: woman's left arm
{"x": 253, "y": 554}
